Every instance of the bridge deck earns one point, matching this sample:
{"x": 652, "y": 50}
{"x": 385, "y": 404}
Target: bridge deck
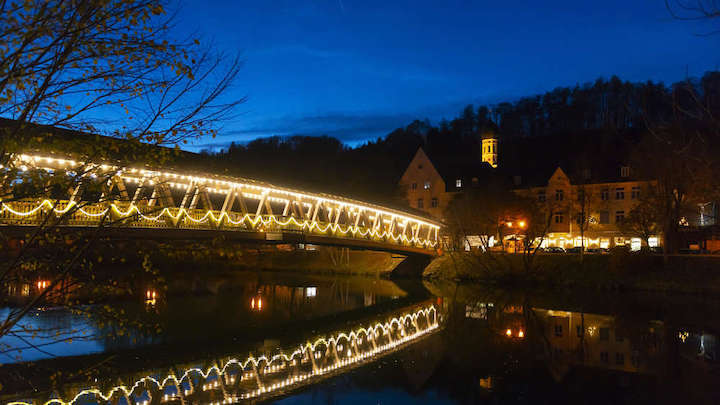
{"x": 164, "y": 204}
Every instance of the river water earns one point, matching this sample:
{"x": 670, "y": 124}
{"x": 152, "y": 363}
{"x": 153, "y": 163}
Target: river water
{"x": 290, "y": 339}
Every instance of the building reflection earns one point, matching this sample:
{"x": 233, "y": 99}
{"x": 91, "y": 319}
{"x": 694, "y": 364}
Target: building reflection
{"x": 599, "y": 341}
{"x": 576, "y": 348}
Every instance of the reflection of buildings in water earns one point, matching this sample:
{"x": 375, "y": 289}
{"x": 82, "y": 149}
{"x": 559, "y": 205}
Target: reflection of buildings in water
{"x": 593, "y": 340}
{"x": 477, "y": 310}
{"x": 504, "y": 320}
{"x": 259, "y": 378}
{"x": 293, "y": 300}
{"x": 702, "y": 347}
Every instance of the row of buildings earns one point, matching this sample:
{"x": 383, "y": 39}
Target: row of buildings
{"x": 606, "y": 194}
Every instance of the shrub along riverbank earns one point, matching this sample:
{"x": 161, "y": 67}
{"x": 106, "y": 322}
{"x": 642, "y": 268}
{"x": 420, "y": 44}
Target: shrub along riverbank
{"x": 616, "y": 271}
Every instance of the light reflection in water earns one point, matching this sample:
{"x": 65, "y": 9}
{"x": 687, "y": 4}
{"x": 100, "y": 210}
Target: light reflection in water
{"x": 266, "y": 376}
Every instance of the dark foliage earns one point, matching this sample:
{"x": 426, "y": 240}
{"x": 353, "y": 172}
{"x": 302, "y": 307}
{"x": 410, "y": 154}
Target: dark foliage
{"x": 594, "y": 124}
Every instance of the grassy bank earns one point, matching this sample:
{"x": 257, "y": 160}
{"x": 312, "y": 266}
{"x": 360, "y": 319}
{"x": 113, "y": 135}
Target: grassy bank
{"x": 618, "y": 271}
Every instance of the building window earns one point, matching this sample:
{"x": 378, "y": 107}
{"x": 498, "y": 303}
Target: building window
{"x": 434, "y": 203}
{"x": 620, "y": 193}
{"x": 426, "y": 186}
{"x": 559, "y": 218}
{"x": 579, "y": 330}
{"x": 420, "y": 166}
{"x": 541, "y": 195}
{"x": 619, "y": 359}
{"x": 619, "y": 216}
{"x": 625, "y": 171}
{"x": 579, "y": 219}
{"x": 581, "y": 195}
{"x": 604, "y": 217}
{"x": 458, "y": 183}
{"x": 413, "y": 186}
{"x": 420, "y": 203}
{"x": 604, "y": 333}
{"x": 558, "y": 330}
{"x": 605, "y": 194}
{"x": 604, "y": 357}
{"x": 558, "y": 195}
{"x": 635, "y": 193}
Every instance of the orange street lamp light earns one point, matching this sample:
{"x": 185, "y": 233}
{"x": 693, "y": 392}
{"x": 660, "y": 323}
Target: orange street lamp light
{"x": 521, "y": 224}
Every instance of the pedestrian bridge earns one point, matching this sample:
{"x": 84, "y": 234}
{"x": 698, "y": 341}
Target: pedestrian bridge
{"x": 145, "y": 202}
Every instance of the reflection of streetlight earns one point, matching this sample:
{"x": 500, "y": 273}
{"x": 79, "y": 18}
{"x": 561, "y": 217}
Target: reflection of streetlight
{"x": 151, "y": 297}
{"x": 256, "y": 304}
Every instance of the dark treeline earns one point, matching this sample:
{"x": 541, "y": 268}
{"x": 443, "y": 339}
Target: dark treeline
{"x": 604, "y": 115}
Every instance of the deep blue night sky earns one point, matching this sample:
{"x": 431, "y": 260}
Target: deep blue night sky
{"x": 358, "y": 69}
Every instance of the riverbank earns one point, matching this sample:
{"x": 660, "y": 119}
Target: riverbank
{"x": 686, "y": 274}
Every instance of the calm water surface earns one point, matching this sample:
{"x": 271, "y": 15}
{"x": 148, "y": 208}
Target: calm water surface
{"x": 289, "y": 339}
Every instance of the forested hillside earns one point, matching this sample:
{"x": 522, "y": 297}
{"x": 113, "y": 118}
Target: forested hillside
{"x": 603, "y": 118}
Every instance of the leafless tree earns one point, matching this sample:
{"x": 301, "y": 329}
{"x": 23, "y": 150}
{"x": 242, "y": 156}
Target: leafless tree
{"x": 70, "y": 71}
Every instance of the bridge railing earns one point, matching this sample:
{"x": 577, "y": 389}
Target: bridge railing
{"x": 123, "y": 214}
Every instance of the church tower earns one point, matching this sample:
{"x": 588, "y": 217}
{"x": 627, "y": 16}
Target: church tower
{"x": 490, "y": 148}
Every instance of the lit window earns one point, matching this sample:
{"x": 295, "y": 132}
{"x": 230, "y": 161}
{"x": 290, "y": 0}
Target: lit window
{"x": 420, "y": 203}
{"x": 625, "y": 171}
{"x": 414, "y": 186}
{"x": 619, "y": 216}
{"x": 426, "y": 186}
{"x": 458, "y": 183}
{"x": 559, "y": 195}
{"x": 635, "y": 192}
{"x": 620, "y": 193}
{"x": 434, "y": 202}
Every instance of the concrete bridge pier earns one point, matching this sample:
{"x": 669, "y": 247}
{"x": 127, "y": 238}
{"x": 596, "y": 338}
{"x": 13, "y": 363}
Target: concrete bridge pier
{"x": 412, "y": 266}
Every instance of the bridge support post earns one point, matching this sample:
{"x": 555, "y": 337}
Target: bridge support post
{"x": 412, "y": 266}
